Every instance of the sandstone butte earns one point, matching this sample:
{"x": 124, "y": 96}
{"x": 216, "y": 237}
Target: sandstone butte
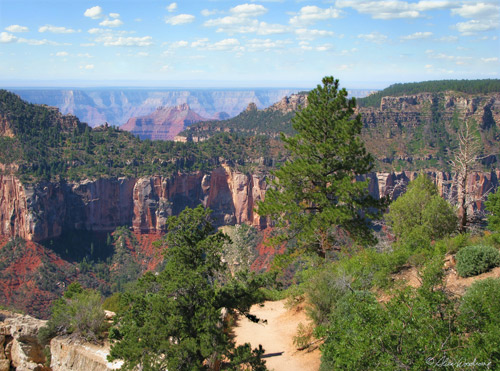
{"x": 164, "y": 123}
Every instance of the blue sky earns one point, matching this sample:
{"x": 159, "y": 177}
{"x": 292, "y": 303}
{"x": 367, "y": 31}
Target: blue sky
{"x": 273, "y": 43}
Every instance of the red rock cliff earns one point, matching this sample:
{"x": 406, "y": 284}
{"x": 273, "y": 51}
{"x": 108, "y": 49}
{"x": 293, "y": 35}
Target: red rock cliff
{"x": 42, "y": 211}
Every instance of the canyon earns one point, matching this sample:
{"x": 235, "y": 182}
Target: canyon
{"x": 43, "y": 211}
{"x": 117, "y": 105}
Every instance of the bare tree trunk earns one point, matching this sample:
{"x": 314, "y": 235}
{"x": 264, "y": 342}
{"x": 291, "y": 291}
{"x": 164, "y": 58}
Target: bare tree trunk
{"x": 465, "y": 161}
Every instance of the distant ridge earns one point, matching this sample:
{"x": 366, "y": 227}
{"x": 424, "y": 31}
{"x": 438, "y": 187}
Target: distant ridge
{"x": 164, "y": 123}
{"x": 116, "y": 106}
{"x": 437, "y": 86}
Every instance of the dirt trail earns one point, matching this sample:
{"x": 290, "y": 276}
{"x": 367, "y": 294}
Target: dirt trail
{"x": 276, "y": 336}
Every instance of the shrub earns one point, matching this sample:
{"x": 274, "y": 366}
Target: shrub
{"x": 78, "y": 312}
{"x": 421, "y": 215}
{"x": 408, "y": 332}
{"x": 480, "y": 318}
{"x": 493, "y": 207}
{"x": 474, "y": 260}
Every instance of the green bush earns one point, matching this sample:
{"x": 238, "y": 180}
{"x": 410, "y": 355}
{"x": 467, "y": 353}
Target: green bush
{"x": 408, "y": 332}
{"x": 480, "y": 318}
{"x": 78, "y": 312}
{"x": 421, "y": 215}
{"x": 474, "y": 260}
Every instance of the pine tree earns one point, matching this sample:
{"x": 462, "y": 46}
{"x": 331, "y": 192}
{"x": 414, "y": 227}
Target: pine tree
{"x": 315, "y": 196}
{"x": 173, "y": 319}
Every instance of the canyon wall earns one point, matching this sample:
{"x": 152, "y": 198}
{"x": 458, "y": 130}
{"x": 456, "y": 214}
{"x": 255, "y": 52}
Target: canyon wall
{"x": 43, "y": 211}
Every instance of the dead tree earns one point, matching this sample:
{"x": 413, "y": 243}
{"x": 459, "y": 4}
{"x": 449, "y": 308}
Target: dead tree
{"x": 465, "y": 161}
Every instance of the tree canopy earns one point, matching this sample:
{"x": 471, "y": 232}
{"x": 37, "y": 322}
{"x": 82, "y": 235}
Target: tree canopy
{"x": 420, "y": 213}
{"x": 493, "y": 207}
{"x": 314, "y": 196}
{"x": 174, "y": 319}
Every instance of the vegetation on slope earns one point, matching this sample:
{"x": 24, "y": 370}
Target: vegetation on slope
{"x": 438, "y": 86}
{"x": 49, "y": 146}
{"x": 249, "y": 122}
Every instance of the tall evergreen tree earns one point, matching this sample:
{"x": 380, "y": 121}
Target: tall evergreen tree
{"x": 173, "y": 319}
{"x": 315, "y": 196}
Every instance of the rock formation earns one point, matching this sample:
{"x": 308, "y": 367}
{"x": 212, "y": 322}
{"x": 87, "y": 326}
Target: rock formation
{"x": 68, "y": 354}
{"x": 164, "y": 123}
{"x": 412, "y": 110}
{"x": 42, "y": 211}
{"x": 19, "y": 346}
{"x": 20, "y": 349}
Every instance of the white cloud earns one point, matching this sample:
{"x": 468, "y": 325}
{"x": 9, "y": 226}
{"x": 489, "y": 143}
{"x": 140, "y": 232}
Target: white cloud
{"x": 344, "y": 67}
{"x": 448, "y": 39}
{"x": 264, "y": 28}
{"x": 255, "y": 45}
{"x": 425, "y": 5}
{"x": 114, "y": 15}
{"x": 233, "y": 25}
{"x": 417, "y": 36}
{"x": 489, "y": 60}
{"x": 84, "y": 55}
{"x": 87, "y": 67}
{"x": 304, "y": 33}
{"x": 311, "y": 14}
{"x": 242, "y": 20}
{"x": 304, "y": 45}
{"x": 348, "y": 52}
{"x": 7, "y": 38}
{"x": 54, "y": 29}
{"x": 179, "y": 44}
{"x": 248, "y": 10}
{"x": 86, "y": 45}
{"x": 223, "y": 45}
{"x": 473, "y": 26}
{"x": 62, "y": 54}
{"x": 393, "y": 9}
{"x": 94, "y": 12}
{"x": 180, "y": 19}
{"x": 165, "y": 68}
{"x": 208, "y": 13}
{"x": 374, "y": 37}
{"x": 172, "y": 7}
{"x": 16, "y": 28}
{"x": 477, "y": 11}
{"x": 97, "y": 30}
{"x": 324, "y": 47}
{"x": 457, "y": 59}
{"x": 40, "y": 42}
{"x": 116, "y": 40}
{"x": 111, "y": 23}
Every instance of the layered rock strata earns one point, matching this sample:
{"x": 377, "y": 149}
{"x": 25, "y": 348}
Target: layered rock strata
{"x": 43, "y": 211}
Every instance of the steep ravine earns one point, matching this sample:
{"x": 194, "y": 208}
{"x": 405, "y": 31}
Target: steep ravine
{"x": 42, "y": 211}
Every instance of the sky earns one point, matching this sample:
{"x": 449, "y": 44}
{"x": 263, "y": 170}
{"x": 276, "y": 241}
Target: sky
{"x": 225, "y": 43}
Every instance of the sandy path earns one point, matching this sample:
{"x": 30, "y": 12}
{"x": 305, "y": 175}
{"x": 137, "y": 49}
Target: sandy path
{"x": 277, "y": 336}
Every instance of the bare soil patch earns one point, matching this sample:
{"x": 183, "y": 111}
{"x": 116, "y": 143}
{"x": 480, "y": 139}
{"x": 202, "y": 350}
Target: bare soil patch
{"x": 276, "y": 337}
